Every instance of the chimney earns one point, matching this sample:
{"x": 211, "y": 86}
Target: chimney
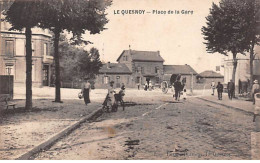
{"x": 158, "y": 53}
{"x": 130, "y": 49}
{"x": 108, "y": 65}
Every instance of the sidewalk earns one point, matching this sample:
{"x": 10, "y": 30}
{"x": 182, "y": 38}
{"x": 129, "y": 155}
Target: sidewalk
{"x": 22, "y": 130}
{"x": 242, "y": 105}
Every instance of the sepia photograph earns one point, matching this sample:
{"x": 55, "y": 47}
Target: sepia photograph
{"x": 129, "y": 80}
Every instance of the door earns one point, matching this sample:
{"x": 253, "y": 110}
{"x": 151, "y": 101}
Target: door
{"x": 45, "y": 81}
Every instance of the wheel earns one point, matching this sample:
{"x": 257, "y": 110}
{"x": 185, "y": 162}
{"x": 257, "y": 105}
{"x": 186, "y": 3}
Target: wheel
{"x": 164, "y": 86}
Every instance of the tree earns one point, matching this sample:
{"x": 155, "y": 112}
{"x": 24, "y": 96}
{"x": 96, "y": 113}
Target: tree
{"x": 25, "y": 14}
{"x": 226, "y": 30}
{"x": 251, "y": 14}
{"x": 76, "y": 16}
{"x": 89, "y": 63}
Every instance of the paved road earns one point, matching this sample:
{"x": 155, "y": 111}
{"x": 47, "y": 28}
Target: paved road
{"x": 157, "y": 128}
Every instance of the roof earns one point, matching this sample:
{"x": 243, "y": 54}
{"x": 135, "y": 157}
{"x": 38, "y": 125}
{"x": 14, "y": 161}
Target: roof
{"x": 179, "y": 69}
{"x": 210, "y": 74}
{"x": 115, "y": 68}
{"x": 143, "y": 55}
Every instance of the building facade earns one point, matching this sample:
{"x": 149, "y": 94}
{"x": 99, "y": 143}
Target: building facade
{"x": 243, "y": 68}
{"x": 205, "y": 78}
{"x": 13, "y": 52}
{"x": 141, "y": 67}
{"x": 146, "y": 66}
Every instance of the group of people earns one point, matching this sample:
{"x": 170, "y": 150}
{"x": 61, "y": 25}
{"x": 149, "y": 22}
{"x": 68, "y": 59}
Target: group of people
{"x": 231, "y": 89}
{"x": 110, "y": 98}
{"x": 179, "y": 89}
{"x": 220, "y": 88}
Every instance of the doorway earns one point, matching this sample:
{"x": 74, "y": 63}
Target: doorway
{"x": 45, "y": 81}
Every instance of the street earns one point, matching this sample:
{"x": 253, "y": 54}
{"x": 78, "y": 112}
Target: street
{"x": 157, "y": 128}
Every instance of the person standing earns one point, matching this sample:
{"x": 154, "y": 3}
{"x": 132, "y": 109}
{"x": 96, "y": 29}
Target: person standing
{"x": 220, "y": 90}
{"x": 138, "y": 86}
{"x": 213, "y": 87}
{"x": 255, "y": 89}
{"x": 231, "y": 88}
{"x": 111, "y": 97}
{"x": 85, "y": 89}
{"x": 177, "y": 87}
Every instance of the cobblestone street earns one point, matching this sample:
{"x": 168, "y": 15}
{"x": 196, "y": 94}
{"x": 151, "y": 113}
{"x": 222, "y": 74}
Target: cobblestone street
{"x": 157, "y": 128}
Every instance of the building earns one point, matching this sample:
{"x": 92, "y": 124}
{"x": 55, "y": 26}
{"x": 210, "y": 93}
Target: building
{"x": 188, "y": 74}
{"x": 205, "y": 78}
{"x": 145, "y": 66}
{"x": 13, "y": 52}
{"x": 117, "y": 72}
{"x": 140, "y": 67}
{"x": 243, "y": 68}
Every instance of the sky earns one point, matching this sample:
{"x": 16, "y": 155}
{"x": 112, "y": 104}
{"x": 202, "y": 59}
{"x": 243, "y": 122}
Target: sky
{"x": 177, "y": 36}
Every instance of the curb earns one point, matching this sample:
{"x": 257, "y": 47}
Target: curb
{"x": 231, "y": 107}
{"x": 47, "y": 143}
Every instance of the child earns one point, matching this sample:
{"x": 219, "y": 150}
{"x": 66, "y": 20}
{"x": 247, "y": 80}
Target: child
{"x": 184, "y": 94}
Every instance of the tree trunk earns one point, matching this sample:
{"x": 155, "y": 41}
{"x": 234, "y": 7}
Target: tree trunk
{"x": 251, "y": 64}
{"x": 234, "y": 70}
{"x": 28, "y": 34}
{"x": 57, "y": 65}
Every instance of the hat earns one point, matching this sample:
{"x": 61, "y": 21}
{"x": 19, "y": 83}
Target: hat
{"x": 256, "y": 81}
{"x": 112, "y": 82}
{"x": 86, "y": 78}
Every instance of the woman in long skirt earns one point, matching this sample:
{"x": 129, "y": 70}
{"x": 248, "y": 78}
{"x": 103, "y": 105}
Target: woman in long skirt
{"x": 86, "y": 86}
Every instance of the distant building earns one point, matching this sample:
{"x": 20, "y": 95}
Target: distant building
{"x": 187, "y": 72}
{"x": 12, "y": 55}
{"x": 140, "y": 67}
{"x": 206, "y": 77}
{"x": 117, "y": 72}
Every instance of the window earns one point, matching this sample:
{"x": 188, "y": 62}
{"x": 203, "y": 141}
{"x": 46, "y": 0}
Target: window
{"x": 9, "y": 48}
{"x": 9, "y": 70}
{"x": 20, "y": 47}
{"x": 45, "y": 49}
{"x": 157, "y": 80}
{"x": 157, "y": 70}
{"x": 106, "y": 79}
{"x": 126, "y": 58}
{"x": 127, "y": 80}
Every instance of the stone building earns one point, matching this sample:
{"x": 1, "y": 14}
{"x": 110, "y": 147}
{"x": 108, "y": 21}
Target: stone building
{"x": 140, "y": 67}
{"x": 12, "y": 55}
{"x": 117, "y": 72}
{"x": 188, "y": 74}
{"x": 145, "y": 66}
{"x": 243, "y": 67}
{"x": 205, "y": 78}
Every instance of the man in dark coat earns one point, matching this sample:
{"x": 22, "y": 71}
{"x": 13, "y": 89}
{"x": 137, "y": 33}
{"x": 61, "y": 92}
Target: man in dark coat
{"x": 231, "y": 88}
{"x": 220, "y": 90}
{"x": 177, "y": 87}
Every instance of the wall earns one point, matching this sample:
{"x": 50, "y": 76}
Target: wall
{"x": 205, "y": 83}
{"x": 127, "y": 79}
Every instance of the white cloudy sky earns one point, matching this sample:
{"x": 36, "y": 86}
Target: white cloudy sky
{"x": 177, "y": 37}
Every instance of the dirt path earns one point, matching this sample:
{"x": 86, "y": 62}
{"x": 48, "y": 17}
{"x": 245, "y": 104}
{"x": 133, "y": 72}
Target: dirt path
{"x": 160, "y": 129}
